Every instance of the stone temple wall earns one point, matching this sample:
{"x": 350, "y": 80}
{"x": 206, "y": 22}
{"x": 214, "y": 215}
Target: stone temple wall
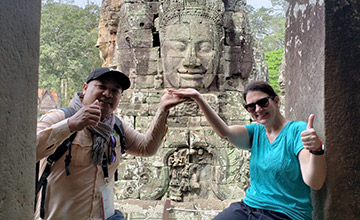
{"x": 19, "y": 52}
{"x": 332, "y": 31}
{"x": 322, "y": 77}
{"x": 194, "y": 167}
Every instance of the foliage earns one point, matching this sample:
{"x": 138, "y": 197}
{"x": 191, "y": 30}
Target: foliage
{"x": 68, "y": 37}
{"x": 268, "y": 25}
{"x": 273, "y": 59}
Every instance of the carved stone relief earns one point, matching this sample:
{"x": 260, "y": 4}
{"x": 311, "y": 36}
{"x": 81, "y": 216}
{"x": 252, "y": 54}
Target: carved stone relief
{"x": 201, "y": 44}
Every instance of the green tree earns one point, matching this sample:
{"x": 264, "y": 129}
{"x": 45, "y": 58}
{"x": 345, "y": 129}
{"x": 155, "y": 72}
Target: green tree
{"x": 68, "y": 37}
{"x": 268, "y": 25}
{"x": 273, "y": 59}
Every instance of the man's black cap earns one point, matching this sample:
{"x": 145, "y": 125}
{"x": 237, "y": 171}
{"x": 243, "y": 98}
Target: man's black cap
{"x": 123, "y": 80}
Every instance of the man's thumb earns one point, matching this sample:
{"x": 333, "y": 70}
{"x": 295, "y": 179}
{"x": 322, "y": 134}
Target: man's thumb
{"x": 96, "y": 102}
{"x": 310, "y": 121}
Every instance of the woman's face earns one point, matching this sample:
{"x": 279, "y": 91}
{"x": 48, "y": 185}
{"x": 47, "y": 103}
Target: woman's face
{"x": 262, "y": 107}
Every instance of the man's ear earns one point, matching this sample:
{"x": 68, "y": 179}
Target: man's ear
{"x": 85, "y": 87}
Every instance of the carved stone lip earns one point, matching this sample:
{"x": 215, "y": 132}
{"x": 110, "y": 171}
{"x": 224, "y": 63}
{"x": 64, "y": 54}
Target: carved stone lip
{"x": 195, "y": 75}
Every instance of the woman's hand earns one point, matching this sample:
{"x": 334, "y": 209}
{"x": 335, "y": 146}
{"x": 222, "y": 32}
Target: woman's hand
{"x": 186, "y": 93}
{"x": 309, "y": 137}
{"x": 313, "y": 167}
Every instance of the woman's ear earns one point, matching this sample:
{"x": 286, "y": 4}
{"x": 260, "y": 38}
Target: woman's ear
{"x": 277, "y": 99}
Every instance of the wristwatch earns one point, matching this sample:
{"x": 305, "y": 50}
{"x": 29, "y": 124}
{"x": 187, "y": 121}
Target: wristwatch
{"x": 319, "y": 151}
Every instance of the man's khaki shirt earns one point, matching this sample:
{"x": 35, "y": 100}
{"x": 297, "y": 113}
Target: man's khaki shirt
{"x": 77, "y": 196}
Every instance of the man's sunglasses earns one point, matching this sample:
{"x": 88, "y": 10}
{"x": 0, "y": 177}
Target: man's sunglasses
{"x": 264, "y": 102}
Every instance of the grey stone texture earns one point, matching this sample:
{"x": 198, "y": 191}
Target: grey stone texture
{"x": 322, "y": 77}
{"x": 19, "y": 51}
{"x": 193, "y": 164}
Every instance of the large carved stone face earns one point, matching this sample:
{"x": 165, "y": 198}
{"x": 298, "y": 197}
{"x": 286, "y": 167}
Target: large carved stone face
{"x": 189, "y": 54}
{"x": 102, "y": 44}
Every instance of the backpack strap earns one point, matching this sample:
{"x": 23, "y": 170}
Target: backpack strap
{"x": 68, "y": 111}
{"x": 120, "y": 130}
{"x": 60, "y": 150}
{"x": 42, "y": 183}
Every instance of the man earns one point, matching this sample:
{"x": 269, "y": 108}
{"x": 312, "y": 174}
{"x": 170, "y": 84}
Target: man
{"x": 87, "y": 192}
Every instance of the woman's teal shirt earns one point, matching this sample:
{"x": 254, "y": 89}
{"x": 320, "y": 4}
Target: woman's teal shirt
{"x": 276, "y": 182}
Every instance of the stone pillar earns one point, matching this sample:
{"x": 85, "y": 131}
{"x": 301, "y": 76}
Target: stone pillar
{"x": 19, "y": 52}
{"x": 322, "y": 77}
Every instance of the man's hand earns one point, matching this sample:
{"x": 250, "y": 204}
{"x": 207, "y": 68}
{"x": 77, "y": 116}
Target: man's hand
{"x": 88, "y": 115}
{"x": 310, "y": 139}
{"x": 169, "y": 100}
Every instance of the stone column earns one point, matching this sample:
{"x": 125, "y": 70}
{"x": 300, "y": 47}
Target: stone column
{"x": 322, "y": 77}
{"x": 19, "y": 52}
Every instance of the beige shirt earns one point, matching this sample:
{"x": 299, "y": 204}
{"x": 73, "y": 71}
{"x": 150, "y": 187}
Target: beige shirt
{"x": 77, "y": 196}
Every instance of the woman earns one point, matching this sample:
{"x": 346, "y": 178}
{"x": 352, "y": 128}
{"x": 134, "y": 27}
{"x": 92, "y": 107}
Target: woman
{"x": 286, "y": 157}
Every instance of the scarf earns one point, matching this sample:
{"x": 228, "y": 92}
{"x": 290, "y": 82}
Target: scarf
{"x": 100, "y": 134}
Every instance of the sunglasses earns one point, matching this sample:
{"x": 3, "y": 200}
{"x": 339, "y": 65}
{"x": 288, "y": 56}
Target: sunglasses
{"x": 264, "y": 102}
{"x": 112, "y": 154}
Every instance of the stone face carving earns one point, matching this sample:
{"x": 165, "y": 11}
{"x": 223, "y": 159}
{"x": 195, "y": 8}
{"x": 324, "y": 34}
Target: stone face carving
{"x": 203, "y": 44}
{"x": 108, "y": 26}
{"x": 190, "y": 35}
{"x": 190, "y": 54}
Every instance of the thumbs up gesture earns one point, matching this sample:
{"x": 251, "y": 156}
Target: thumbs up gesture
{"x": 309, "y": 137}
{"x": 88, "y": 115}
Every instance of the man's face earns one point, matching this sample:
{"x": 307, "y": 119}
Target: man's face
{"x": 107, "y": 90}
{"x": 189, "y": 54}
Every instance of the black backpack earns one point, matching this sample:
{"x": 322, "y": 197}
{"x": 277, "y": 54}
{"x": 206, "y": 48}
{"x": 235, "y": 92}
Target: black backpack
{"x": 61, "y": 149}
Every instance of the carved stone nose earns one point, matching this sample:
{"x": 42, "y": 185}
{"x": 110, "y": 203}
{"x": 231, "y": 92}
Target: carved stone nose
{"x": 191, "y": 59}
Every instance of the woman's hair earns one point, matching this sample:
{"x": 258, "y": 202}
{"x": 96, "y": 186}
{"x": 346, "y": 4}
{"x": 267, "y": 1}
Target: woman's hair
{"x": 259, "y": 86}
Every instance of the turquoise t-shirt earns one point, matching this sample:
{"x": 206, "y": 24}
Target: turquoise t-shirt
{"x": 276, "y": 183}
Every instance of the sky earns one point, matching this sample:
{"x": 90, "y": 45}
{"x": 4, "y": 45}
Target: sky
{"x": 254, "y": 3}
{"x": 259, "y": 3}
{"x": 84, "y": 2}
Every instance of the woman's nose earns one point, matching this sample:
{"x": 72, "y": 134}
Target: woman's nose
{"x": 257, "y": 107}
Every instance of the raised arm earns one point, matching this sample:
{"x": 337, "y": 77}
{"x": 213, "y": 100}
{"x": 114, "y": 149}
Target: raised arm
{"x": 236, "y": 134}
{"x": 313, "y": 167}
{"x": 147, "y": 144}
{"x": 53, "y": 128}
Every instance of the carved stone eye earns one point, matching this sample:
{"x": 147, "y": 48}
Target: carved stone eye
{"x": 178, "y": 46}
{"x": 205, "y": 47}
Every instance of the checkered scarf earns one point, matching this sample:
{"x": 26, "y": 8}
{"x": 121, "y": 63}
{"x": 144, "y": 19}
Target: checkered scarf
{"x": 101, "y": 133}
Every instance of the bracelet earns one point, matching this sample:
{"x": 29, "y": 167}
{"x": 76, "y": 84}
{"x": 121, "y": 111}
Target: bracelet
{"x": 320, "y": 150}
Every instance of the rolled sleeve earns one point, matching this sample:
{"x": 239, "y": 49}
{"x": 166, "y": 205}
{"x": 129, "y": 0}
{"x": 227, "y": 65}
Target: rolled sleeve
{"x": 147, "y": 144}
{"x": 52, "y": 130}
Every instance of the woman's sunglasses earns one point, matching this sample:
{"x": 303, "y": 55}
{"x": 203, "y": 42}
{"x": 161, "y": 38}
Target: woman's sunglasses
{"x": 264, "y": 102}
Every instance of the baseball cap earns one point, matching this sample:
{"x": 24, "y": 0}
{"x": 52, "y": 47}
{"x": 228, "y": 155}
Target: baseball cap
{"x": 107, "y": 71}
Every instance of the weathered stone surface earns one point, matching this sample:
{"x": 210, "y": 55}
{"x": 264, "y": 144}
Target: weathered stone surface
{"x": 260, "y": 70}
{"x": 19, "y": 51}
{"x": 184, "y": 44}
{"x": 151, "y": 54}
{"x": 108, "y": 25}
{"x": 322, "y": 77}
